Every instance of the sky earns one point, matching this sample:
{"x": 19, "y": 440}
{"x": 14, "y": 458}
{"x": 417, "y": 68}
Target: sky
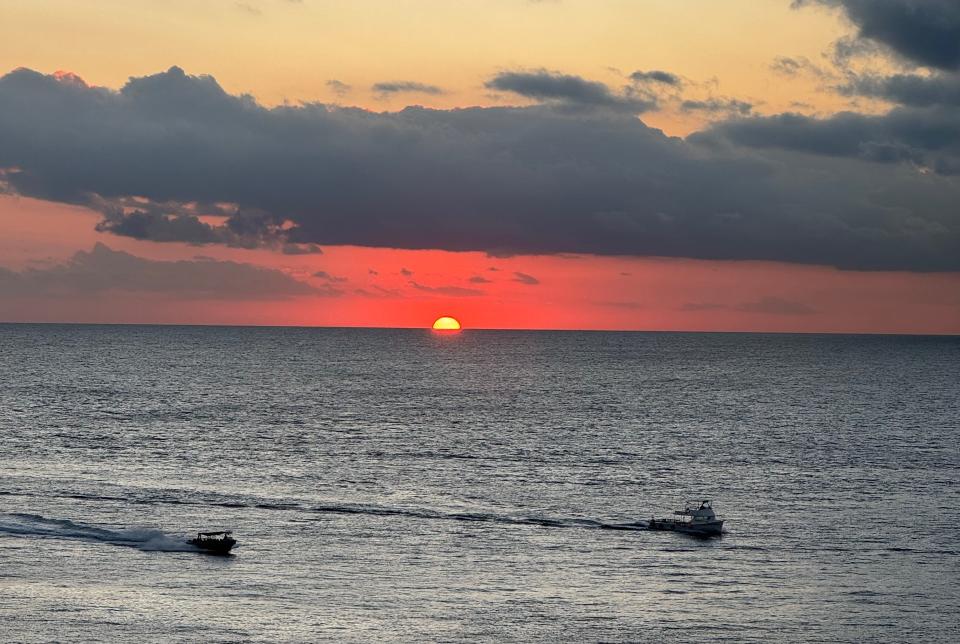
{"x": 692, "y": 165}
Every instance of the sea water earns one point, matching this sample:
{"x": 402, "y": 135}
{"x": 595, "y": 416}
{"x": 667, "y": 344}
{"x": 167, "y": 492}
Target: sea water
{"x": 403, "y": 485}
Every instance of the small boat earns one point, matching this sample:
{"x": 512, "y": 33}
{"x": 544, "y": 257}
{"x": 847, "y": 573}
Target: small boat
{"x": 216, "y": 543}
{"x": 699, "y": 521}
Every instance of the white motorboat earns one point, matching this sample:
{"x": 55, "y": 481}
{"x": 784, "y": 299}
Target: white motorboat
{"x": 700, "y": 521}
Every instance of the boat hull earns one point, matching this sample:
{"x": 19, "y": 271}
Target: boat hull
{"x": 697, "y": 529}
{"x": 213, "y": 547}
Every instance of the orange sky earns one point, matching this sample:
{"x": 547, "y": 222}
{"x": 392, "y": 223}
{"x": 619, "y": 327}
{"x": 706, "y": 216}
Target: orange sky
{"x": 289, "y": 51}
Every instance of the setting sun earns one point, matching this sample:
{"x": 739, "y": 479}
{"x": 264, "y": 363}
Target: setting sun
{"x": 446, "y": 324}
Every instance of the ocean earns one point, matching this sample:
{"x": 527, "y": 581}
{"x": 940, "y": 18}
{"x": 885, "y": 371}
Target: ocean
{"x": 403, "y": 485}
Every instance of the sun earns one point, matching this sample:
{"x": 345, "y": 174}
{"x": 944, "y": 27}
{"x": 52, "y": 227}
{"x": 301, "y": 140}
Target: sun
{"x": 446, "y": 323}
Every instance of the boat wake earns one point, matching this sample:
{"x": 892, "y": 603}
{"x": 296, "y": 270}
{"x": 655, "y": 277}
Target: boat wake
{"x": 371, "y": 509}
{"x": 147, "y": 539}
{"x": 474, "y": 517}
{"x": 638, "y": 525}
{"x": 477, "y": 517}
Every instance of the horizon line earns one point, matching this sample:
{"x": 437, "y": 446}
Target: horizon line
{"x": 467, "y": 329}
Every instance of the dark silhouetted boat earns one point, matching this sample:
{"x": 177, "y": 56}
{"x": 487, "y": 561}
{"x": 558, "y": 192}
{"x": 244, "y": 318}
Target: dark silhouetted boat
{"x": 216, "y": 543}
{"x": 699, "y": 521}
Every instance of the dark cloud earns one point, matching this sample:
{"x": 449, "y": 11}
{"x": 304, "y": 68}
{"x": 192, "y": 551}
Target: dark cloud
{"x": 567, "y": 89}
{"x": 104, "y": 270}
{"x": 717, "y": 105}
{"x": 174, "y": 222}
{"x": 301, "y": 249}
{"x": 924, "y": 137}
{"x": 523, "y": 278}
{"x": 406, "y": 272}
{"x": 406, "y": 87}
{"x": 848, "y": 48}
{"x": 926, "y": 32}
{"x": 167, "y": 149}
{"x": 479, "y": 279}
{"x": 453, "y": 291}
{"x": 157, "y": 226}
{"x": 907, "y": 89}
{"x": 656, "y": 76}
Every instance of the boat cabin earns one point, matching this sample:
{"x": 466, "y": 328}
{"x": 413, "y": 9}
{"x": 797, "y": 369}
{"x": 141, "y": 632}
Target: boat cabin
{"x": 214, "y": 536}
{"x": 214, "y": 542}
{"x": 698, "y": 514}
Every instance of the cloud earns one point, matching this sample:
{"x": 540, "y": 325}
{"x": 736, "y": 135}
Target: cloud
{"x": 567, "y": 89}
{"x": 453, "y": 291}
{"x": 406, "y": 87}
{"x": 479, "y": 279}
{"x": 924, "y": 137}
{"x": 324, "y": 275}
{"x": 406, "y": 272}
{"x": 925, "y": 32}
{"x": 717, "y": 105}
{"x": 301, "y": 249}
{"x": 907, "y": 89}
{"x": 174, "y": 222}
{"x": 378, "y": 292}
{"x": 523, "y": 278}
{"x": 338, "y": 87}
{"x": 788, "y": 66}
{"x": 103, "y": 270}
{"x": 166, "y": 149}
{"x": 656, "y": 76}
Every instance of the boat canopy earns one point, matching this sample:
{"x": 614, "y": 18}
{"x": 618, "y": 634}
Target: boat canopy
{"x": 704, "y": 511}
{"x": 214, "y": 534}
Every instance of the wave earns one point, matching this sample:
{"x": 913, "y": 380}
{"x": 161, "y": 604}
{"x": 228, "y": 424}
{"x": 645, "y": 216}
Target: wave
{"x": 147, "y": 539}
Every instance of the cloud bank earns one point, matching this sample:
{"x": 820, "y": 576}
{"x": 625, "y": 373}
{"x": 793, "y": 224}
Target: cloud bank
{"x": 924, "y": 32}
{"x": 921, "y": 130}
{"x": 173, "y": 157}
{"x": 104, "y": 270}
